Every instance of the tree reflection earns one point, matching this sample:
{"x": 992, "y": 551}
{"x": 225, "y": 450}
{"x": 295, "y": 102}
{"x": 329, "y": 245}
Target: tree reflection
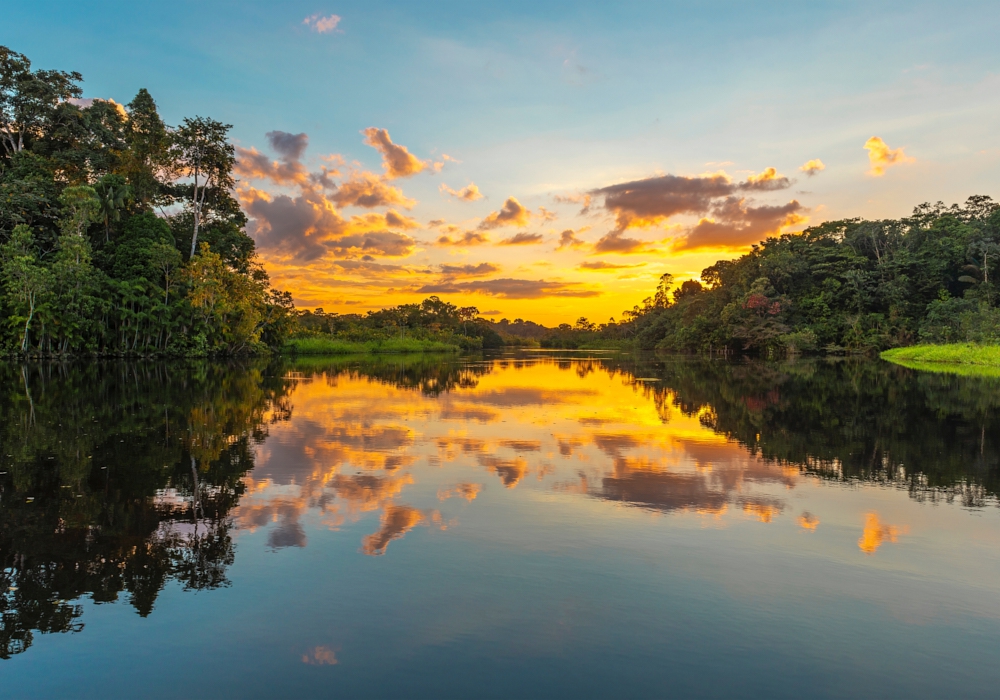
{"x": 117, "y": 478}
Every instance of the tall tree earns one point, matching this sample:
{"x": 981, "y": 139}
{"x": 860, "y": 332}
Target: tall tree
{"x": 28, "y": 98}
{"x": 200, "y": 149}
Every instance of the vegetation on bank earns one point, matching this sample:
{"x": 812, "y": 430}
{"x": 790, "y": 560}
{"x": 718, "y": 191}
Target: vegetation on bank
{"x": 845, "y": 286}
{"x": 119, "y": 234}
{"x": 956, "y": 358}
{"x": 335, "y": 346}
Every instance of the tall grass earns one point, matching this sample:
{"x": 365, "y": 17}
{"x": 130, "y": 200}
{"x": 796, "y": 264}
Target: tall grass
{"x": 334, "y": 346}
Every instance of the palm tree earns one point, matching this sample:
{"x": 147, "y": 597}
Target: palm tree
{"x": 113, "y": 192}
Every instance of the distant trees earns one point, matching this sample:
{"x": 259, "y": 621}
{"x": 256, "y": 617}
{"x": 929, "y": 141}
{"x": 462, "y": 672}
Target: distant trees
{"x": 86, "y": 266}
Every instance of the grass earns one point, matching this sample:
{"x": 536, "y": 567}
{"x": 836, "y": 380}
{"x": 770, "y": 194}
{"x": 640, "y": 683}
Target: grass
{"x": 333, "y": 346}
{"x": 966, "y": 359}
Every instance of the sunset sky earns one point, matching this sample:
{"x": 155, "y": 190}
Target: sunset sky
{"x": 548, "y": 160}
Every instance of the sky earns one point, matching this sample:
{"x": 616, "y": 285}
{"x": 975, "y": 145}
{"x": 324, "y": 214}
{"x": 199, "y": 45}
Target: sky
{"x": 549, "y": 160}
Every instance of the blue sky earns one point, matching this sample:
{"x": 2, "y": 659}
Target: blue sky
{"x": 534, "y": 100}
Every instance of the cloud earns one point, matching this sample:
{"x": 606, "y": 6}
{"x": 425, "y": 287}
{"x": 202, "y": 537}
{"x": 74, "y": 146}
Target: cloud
{"x": 387, "y": 243}
{"x": 396, "y": 521}
{"x": 523, "y": 238}
{"x": 463, "y": 490}
{"x": 296, "y": 226}
{"x": 811, "y": 167}
{"x": 737, "y": 224}
{"x": 547, "y": 215}
{"x": 618, "y": 242}
{"x": 600, "y": 265}
{"x": 582, "y": 199}
{"x": 469, "y": 270}
{"x": 289, "y": 146}
{"x": 88, "y": 102}
{"x": 468, "y": 238}
{"x": 766, "y": 181}
{"x": 880, "y": 156}
{"x": 511, "y": 289}
{"x": 469, "y": 193}
{"x": 366, "y": 190}
{"x": 568, "y": 239}
{"x": 254, "y": 165}
{"x": 510, "y": 214}
{"x": 320, "y": 24}
{"x": 396, "y": 159}
{"x": 650, "y": 202}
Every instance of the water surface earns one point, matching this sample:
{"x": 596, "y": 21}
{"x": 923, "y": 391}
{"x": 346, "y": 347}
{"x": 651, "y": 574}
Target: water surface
{"x": 540, "y": 525}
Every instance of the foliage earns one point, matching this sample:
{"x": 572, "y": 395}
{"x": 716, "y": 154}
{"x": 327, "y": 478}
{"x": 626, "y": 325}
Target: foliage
{"x": 935, "y": 355}
{"x": 843, "y": 286}
{"x": 85, "y": 264}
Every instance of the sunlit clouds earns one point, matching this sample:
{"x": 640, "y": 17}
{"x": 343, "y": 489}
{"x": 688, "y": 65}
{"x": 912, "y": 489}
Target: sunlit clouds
{"x": 397, "y": 160}
{"x": 469, "y": 193}
{"x": 341, "y": 234}
{"x": 511, "y": 214}
{"x": 812, "y": 167}
{"x": 881, "y": 157}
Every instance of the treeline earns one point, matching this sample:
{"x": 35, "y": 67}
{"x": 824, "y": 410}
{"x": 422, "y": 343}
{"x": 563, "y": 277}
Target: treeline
{"x": 118, "y": 233}
{"x": 430, "y": 320}
{"x": 843, "y": 286}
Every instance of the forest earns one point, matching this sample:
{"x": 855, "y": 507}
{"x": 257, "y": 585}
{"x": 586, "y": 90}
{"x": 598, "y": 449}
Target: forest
{"x": 119, "y": 234}
{"x": 849, "y": 286}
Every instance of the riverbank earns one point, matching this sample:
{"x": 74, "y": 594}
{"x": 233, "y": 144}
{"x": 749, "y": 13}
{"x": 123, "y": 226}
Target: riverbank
{"x": 956, "y": 358}
{"x": 333, "y": 346}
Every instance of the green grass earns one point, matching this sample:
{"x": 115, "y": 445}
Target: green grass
{"x": 333, "y": 346}
{"x": 960, "y": 358}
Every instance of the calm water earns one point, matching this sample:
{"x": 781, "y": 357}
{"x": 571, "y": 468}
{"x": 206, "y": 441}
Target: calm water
{"x": 537, "y": 525}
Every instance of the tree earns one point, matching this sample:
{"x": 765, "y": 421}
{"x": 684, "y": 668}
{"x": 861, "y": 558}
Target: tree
{"x": 112, "y": 194}
{"x": 147, "y": 153}
{"x": 200, "y": 150}
{"x": 28, "y": 98}
{"x": 81, "y": 206}
{"x": 26, "y": 283}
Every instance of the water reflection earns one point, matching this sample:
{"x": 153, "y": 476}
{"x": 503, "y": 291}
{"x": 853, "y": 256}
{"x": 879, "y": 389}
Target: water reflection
{"x": 119, "y": 478}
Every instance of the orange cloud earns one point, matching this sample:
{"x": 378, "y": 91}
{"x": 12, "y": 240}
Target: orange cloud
{"x": 811, "y": 167}
{"x": 880, "y": 156}
{"x": 546, "y": 215}
{"x": 875, "y": 533}
{"x": 396, "y": 521}
{"x": 396, "y": 159}
{"x": 737, "y": 224}
{"x": 469, "y": 238}
{"x": 768, "y": 179}
{"x": 466, "y": 491}
{"x": 808, "y": 521}
{"x": 568, "y": 239}
{"x": 618, "y": 242}
{"x": 512, "y": 213}
{"x": 367, "y": 190}
{"x": 469, "y": 193}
